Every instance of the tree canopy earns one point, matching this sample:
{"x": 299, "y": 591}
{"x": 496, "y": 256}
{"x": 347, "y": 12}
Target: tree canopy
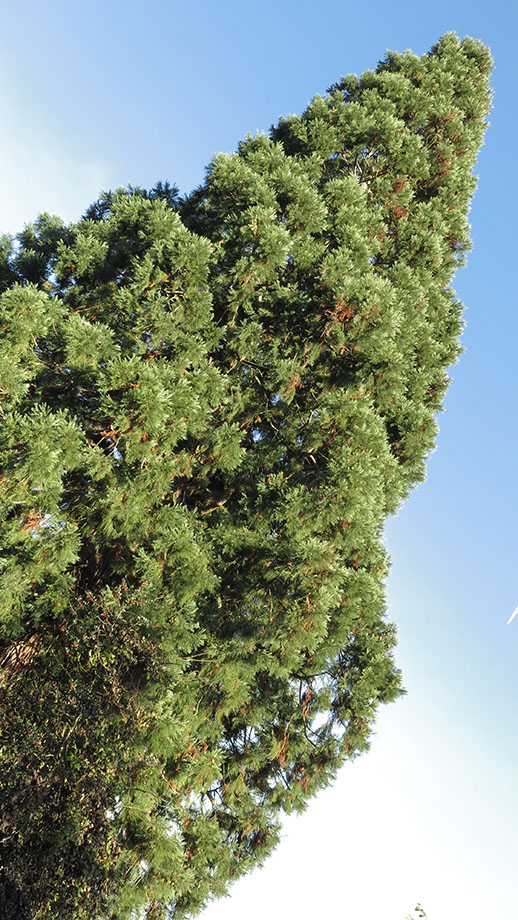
{"x": 209, "y": 406}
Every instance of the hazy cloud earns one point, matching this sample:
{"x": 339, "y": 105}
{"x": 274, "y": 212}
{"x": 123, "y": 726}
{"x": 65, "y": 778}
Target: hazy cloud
{"x": 43, "y": 172}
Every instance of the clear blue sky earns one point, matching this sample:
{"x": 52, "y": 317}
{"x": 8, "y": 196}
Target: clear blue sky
{"x": 101, "y": 94}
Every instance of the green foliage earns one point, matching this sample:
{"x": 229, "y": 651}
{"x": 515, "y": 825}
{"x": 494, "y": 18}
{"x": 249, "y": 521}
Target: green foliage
{"x": 418, "y": 913}
{"x": 209, "y": 407}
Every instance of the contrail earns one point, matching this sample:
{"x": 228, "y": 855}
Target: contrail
{"x": 512, "y": 616}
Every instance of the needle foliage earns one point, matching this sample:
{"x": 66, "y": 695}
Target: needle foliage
{"x": 209, "y": 406}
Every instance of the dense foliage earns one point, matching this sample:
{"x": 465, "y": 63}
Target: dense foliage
{"x": 208, "y": 408}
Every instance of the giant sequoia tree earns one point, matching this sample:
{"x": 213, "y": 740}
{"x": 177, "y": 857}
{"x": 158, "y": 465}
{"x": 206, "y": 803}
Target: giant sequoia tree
{"x": 208, "y": 408}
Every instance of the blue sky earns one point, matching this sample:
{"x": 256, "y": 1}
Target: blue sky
{"x": 101, "y": 94}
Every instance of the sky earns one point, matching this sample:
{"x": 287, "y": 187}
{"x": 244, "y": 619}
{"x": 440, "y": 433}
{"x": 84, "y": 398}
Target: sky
{"x": 108, "y": 93}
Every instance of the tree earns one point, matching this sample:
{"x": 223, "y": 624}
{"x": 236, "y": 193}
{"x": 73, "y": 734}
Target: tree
{"x": 418, "y": 912}
{"x": 209, "y": 407}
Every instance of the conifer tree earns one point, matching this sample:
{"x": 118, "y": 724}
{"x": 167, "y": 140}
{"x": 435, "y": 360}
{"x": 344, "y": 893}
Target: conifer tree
{"x": 209, "y": 407}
